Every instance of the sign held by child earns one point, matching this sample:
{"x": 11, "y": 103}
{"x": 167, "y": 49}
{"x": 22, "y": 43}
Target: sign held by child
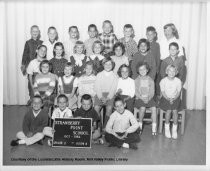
{"x": 74, "y": 133}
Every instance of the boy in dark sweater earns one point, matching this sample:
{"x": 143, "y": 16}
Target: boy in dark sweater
{"x": 33, "y": 124}
{"x": 87, "y": 111}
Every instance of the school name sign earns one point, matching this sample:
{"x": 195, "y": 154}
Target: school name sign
{"x": 72, "y": 133}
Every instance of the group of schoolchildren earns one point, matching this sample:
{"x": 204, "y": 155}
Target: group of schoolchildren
{"x": 81, "y": 78}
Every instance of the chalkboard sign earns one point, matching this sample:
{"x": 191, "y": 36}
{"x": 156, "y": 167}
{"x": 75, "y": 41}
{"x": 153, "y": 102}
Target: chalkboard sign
{"x": 72, "y": 133}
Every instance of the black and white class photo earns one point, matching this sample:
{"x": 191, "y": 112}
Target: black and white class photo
{"x": 110, "y": 85}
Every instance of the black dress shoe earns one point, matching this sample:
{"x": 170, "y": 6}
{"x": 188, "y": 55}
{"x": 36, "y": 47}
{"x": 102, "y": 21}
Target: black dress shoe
{"x": 14, "y": 142}
{"x": 133, "y": 146}
{"x": 40, "y": 142}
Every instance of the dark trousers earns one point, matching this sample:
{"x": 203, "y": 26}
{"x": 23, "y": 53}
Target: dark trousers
{"x": 131, "y": 138}
{"x": 129, "y": 103}
{"x": 30, "y": 90}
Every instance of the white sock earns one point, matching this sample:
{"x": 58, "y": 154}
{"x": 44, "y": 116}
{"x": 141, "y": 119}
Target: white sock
{"x": 140, "y": 125}
{"x": 125, "y": 145}
{"x": 21, "y": 142}
{"x": 167, "y": 131}
{"x": 154, "y": 125}
{"x": 174, "y": 131}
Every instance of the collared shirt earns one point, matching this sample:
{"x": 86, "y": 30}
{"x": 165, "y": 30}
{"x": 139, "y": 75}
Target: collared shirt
{"x": 33, "y": 67}
{"x": 88, "y": 45}
{"x": 50, "y": 47}
{"x": 178, "y": 62}
{"x": 36, "y": 114}
{"x": 57, "y": 113}
{"x": 125, "y": 122}
{"x": 91, "y": 113}
{"x": 130, "y": 47}
{"x": 127, "y": 86}
{"x": 108, "y": 40}
{"x": 164, "y": 47}
{"x": 170, "y": 87}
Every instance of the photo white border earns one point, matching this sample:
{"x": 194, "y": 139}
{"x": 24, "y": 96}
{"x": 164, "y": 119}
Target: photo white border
{"x": 110, "y": 167}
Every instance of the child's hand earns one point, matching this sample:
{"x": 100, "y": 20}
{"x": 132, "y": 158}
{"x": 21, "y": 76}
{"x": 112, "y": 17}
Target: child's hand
{"x": 119, "y": 91}
{"x": 103, "y": 100}
{"x": 124, "y": 135}
{"x": 71, "y": 95}
{"x": 117, "y": 136}
{"x": 106, "y": 51}
{"x": 29, "y": 134}
{"x": 171, "y": 100}
{"x": 53, "y": 131}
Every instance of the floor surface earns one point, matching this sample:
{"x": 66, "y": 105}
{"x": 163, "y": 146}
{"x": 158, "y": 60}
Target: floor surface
{"x": 189, "y": 149}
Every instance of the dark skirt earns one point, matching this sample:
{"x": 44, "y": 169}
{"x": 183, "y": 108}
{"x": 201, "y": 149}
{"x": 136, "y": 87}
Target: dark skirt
{"x": 99, "y": 103}
{"x": 140, "y": 103}
{"x": 165, "y": 104}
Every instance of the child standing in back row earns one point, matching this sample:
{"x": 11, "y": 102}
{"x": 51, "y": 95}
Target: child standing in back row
{"x": 128, "y": 41}
{"x": 50, "y": 43}
{"x": 155, "y": 50}
{"x": 93, "y": 36}
{"x": 69, "y": 44}
{"x": 31, "y": 45}
{"x": 108, "y": 38}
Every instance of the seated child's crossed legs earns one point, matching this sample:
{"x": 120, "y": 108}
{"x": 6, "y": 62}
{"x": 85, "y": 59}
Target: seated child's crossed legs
{"x": 30, "y": 140}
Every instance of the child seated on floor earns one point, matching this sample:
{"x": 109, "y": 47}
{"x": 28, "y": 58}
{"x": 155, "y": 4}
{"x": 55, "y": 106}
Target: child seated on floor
{"x": 34, "y": 122}
{"x": 122, "y": 127}
{"x": 87, "y": 111}
{"x": 170, "y": 87}
{"x": 61, "y": 112}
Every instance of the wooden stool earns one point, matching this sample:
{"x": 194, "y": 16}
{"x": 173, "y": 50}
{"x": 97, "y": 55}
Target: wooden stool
{"x": 181, "y": 120}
